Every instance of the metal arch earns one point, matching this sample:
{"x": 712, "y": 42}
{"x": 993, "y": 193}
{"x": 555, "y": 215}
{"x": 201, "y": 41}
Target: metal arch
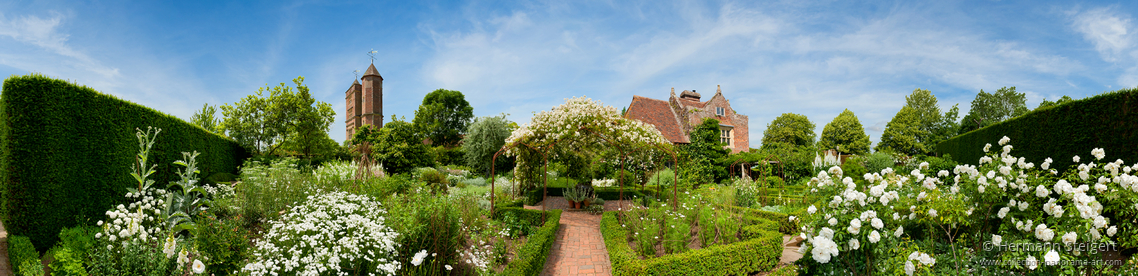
{"x": 545, "y": 158}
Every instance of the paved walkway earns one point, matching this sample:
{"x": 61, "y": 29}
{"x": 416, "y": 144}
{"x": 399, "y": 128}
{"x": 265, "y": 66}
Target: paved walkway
{"x": 579, "y": 248}
{"x": 5, "y": 267}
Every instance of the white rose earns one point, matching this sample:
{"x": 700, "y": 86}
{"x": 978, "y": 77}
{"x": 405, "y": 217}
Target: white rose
{"x": 874, "y": 237}
{"x": 1110, "y": 231}
{"x": 997, "y": 239}
{"x": 1003, "y": 212}
{"x": 1070, "y": 238}
{"x": 1051, "y": 258}
{"x": 1031, "y": 262}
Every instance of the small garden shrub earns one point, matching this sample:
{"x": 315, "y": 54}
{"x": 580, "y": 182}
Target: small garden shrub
{"x": 30, "y": 268}
{"x": 68, "y": 262}
{"x": 223, "y": 243}
{"x": 758, "y": 252}
{"x": 878, "y": 161}
{"x": 331, "y": 232}
{"x": 20, "y": 249}
{"x": 429, "y": 223}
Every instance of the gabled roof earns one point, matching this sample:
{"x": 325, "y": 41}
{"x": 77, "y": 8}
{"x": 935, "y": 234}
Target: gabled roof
{"x": 657, "y": 113}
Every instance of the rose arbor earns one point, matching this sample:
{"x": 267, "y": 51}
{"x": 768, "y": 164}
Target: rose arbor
{"x": 572, "y": 128}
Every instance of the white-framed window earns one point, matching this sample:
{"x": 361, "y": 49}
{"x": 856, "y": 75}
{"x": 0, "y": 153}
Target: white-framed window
{"x": 725, "y": 136}
{"x": 719, "y": 111}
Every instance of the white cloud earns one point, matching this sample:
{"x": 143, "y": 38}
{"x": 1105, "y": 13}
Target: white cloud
{"x": 44, "y": 33}
{"x": 1111, "y": 33}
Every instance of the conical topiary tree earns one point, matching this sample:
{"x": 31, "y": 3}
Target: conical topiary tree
{"x": 845, "y": 134}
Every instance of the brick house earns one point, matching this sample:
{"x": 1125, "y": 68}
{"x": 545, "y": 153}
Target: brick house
{"x": 676, "y": 117}
{"x": 365, "y": 102}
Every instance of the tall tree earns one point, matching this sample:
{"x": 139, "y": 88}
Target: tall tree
{"x": 925, "y": 107}
{"x": 903, "y": 133}
{"x": 789, "y": 129}
{"x": 443, "y": 116}
{"x": 945, "y": 129}
{"x": 265, "y": 122}
{"x": 845, "y": 134}
{"x": 988, "y": 109}
{"x": 484, "y": 138}
{"x": 205, "y": 119}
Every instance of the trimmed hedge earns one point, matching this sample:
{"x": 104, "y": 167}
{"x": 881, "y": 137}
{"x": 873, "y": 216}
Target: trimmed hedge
{"x": 20, "y": 250}
{"x": 785, "y": 226}
{"x": 759, "y": 251}
{"x": 1108, "y": 121}
{"x": 66, "y": 151}
{"x": 532, "y": 255}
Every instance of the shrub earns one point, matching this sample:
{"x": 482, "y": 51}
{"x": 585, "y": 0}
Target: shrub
{"x": 664, "y": 177}
{"x": 878, "y": 161}
{"x": 30, "y": 268}
{"x": 223, "y": 243}
{"x": 628, "y": 179}
{"x": 64, "y": 149}
{"x": 425, "y": 223}
{"x": 937, "y": 164}
{"x": 329, "y": 232}
{"x": 221, "y": 177}
{"x": 20, "y": 250}
{"x": 759, "y": 252}
{"x": 853, "y": 168}
{"x": 68, "y": 262}
{"x": 79, "y": 240}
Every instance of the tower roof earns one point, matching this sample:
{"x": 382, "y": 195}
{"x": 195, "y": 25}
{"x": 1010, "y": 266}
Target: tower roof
{"x": 372, "y": 72}
{"x": 356, "y": 82}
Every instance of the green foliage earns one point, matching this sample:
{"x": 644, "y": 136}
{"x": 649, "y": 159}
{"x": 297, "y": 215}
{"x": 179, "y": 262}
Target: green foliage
{"x": 264, "y": 123}
{"x": 267, "y": 189}
{"x": 853, "y": 168}
{"x": 878, "y": 161}
{"x": 701, "y": 159}
{"x": 944, "y": 163}
{"x": 845, "y": 134}
{"x": 1046, "y": 103}
{"x": 20, "y": 250}
{"x": 131, "y": 259}
{"x": 448, "y": 156}
{"x": 1060, "y": 132}
{"x": 988, "y": 109}
{"x": 223, "y": 243}
{"x": 795, "y": 162}
{"x": 532, "y": 255}
{"x": 627, "y": 178}
{"x": 665, "y": 177}
{"x": 205, "y": 119}
{"x": 79, "y": 240}
{"x": 425, "y": 222}
{"x": 483, "y": 139}
{"x": 66, "y": 148}
{"x": 789, "y": 128}
{"x": 759, "y": 252}
{"x": 185, "y": 198}
{"x": 905, "y": 133}
{"x": 68, "y": 263}
{"x": 30, "y": 268}
{"x": 443, "y": 116}
{"x": 785, "y": 225}
{"x": 398, "y": 147}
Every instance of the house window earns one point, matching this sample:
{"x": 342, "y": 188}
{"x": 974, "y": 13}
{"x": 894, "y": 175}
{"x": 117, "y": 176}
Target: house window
{"x": 725, "y": 136}
{"x": 719, "y": 111}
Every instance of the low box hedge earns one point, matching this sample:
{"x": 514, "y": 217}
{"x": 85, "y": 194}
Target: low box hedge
{"x": 760, "y": 251}
{"x": 20, "y": 250}
{"x": 606, "y": 193}
{"x": 785, "y": 226}
{"x": 532, "y": 255}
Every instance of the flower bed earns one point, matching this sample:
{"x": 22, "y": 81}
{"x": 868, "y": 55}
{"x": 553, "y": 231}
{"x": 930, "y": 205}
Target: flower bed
{"x": 759, "y": 251}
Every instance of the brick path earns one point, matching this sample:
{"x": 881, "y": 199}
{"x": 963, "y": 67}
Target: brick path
{"x": 579, "y": 248}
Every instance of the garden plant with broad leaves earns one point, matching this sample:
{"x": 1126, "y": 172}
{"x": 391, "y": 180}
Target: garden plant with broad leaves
{"x": 926, "y": 222}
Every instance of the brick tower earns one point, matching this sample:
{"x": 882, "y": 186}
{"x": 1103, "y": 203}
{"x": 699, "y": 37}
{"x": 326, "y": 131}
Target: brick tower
{"x": 365, "y": 102}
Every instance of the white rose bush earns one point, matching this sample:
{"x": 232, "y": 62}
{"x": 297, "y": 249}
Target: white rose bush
{"x": 1005, "y": 215}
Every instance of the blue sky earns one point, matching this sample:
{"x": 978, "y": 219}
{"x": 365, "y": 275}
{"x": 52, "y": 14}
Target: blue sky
{"x": 519, "y": 57}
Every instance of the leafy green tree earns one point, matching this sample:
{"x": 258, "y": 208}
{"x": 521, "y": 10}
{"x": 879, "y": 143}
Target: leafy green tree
{"x": 789, "y": 128}
{"x": 924, "y": 104}
{"x": 205, "y": 119}
{"x": 285, "y": 116}
{"x": 1063, "y": 100}
{"x": 246, "y": 122}
{"x": 945, "y": 129}
{"x": 903, "y": 133}
{"x": 845, "y": 134}
{"x": 988, "y": 109}
{"x": 443, "y": 116}
{"x": 398, "y": 146}
{"x": 483, "y": 139}
{"x": 704, "y": 155}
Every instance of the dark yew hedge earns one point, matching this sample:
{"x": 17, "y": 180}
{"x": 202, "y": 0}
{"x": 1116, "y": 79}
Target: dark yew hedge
{"x": 1108, "y": 121}
{"x": 66, "y": 152}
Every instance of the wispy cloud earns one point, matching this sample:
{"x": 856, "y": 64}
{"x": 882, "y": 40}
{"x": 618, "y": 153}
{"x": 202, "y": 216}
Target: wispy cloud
{"x": 44, "y": 32}
{"x": 1110, "y": 32}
